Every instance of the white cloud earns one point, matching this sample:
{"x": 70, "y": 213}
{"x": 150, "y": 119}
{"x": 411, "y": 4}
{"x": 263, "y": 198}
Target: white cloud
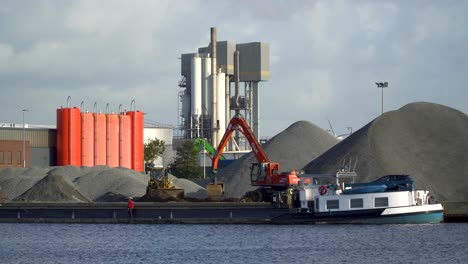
{"x": 324, "y": 55}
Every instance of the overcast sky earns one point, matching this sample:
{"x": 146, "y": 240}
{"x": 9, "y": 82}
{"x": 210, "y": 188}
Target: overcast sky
{"x": 325, "y": 56}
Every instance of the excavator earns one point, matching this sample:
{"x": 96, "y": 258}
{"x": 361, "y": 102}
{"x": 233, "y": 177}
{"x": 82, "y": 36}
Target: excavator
{"x": 199, "y": 142}
{"x": 264, "y": 174}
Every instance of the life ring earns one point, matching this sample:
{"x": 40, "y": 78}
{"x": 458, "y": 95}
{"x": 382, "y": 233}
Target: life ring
{"x": 323, "y": 190}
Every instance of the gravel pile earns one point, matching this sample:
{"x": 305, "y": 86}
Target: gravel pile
{"x": 14, "y": 182}
{"x": 425, "y": 140}
{"x": 81, "y": 184}
{"x": 192, "y": 190}
{"x": 293, "y": 148}
{"x": 52, "y": 188}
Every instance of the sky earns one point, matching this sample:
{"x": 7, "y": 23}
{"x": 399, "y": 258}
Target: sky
{"x": 325, "y": 56}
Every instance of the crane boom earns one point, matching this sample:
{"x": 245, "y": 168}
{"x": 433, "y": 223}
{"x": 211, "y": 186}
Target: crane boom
{"x": 203, "y": 142}
{"x": 236, "y": 123}
{"x": 263, "y": 173}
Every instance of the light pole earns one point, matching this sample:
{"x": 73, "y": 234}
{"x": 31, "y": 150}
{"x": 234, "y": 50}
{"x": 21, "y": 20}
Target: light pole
{"x": 382, "y": 85}
{"x": 24, "y": 140}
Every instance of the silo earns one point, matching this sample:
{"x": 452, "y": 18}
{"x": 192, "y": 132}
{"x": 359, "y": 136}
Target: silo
{"x": 136, "y": 120}
{"x": 62, "y": 136}
{"x": 87, "y": 139}
{"x": 112, "y": 140}
{"x": 206, "y": 86}
{"x": 221, "y": 106}
{"x": 196, "y": 92}
{"x": 99, "y": 139}
{"x": 68, "y": 136}
{"x": 125, "y": 148}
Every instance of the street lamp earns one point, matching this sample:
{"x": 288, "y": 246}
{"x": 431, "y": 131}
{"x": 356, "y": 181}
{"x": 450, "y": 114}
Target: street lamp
{"x": 24, "y": 140}
{"x": 382, "y": 85}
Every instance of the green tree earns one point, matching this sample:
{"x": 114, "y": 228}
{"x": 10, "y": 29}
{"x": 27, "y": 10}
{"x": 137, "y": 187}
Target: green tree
{"x": 154, "y": 148}
{"x": 186, "y": 162}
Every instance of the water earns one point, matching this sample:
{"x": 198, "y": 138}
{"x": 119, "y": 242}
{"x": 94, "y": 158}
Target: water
{"x": 76, "y": 243}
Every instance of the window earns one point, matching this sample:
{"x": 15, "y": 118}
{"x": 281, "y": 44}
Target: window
{"x": 333, "y": 204}
{"x": 381, "y": 202}
{"x": 254, "y": 172}
{"x": 357, "y": 203}
{"x": 316, "y": 203}
{"x": 2, "y": 159}
{"x": 9, "y": 157}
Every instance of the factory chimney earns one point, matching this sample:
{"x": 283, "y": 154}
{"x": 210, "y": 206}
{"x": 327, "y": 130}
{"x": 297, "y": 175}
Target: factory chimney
{"x": 236, "y": 89}
{"x": 214, "y": 77}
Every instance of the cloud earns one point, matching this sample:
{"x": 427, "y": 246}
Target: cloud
{"x": 325, "y": 55}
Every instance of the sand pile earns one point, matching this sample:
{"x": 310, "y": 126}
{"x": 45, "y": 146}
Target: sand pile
{"x": 425, "y": 140}
{"x": 76, "y": 184}
{"x": 293, "y": 148}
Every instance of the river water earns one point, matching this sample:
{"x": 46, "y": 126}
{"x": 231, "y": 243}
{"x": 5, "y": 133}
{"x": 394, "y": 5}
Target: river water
{"x": 101, "y": 243}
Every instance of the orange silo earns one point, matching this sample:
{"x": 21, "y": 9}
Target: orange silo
{"x": 99, "y": 139}
{"x": 87, "y": 139}
{"x": 112, "y": 140}
{"x": 136, "y": 119}
{"x": 125, "y": 147}
{"x": 68, "y": 136}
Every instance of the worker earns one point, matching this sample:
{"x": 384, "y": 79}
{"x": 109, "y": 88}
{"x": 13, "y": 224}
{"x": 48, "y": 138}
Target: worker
{"x": 130, "y": 206}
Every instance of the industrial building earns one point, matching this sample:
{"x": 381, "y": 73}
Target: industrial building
{"x": 209, "y": 99}
{"x": 40, "y": 144}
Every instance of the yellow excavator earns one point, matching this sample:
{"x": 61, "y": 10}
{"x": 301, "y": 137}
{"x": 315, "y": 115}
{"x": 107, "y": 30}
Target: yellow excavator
{"x": 160, "y": 188}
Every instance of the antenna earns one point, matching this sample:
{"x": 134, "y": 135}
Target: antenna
{"x": 331, "y": 127}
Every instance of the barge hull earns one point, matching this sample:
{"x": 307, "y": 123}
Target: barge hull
{"x": 171, "y": 213}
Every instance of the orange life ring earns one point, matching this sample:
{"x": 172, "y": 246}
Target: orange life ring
{"x": 323, "y": 190}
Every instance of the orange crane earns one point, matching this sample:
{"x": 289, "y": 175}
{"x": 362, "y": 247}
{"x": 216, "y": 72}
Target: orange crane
{"x": 264, "y": 173}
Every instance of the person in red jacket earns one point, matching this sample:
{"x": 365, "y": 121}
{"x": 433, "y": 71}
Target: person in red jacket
{"x": 130, "y": 206}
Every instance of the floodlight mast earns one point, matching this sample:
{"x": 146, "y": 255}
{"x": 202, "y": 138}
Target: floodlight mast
{"x": 382, "y": 85}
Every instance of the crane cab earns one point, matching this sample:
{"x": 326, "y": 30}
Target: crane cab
{"x": 267, "y": 174}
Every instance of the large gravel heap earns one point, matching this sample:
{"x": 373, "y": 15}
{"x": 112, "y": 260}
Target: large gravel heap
{"x": 425, "y": 140}
{"x": 293, "y": 148}
{"x": 81, "y": 184}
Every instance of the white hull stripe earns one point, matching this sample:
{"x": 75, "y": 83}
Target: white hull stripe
{"x": 412, "y": 209}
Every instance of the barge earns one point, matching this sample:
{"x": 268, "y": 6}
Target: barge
{"x": 392, "y": 199}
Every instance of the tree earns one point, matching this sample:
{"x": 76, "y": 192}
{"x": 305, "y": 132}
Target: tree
{"x": 186, "y": 162}
{"x": 154, "y": 148}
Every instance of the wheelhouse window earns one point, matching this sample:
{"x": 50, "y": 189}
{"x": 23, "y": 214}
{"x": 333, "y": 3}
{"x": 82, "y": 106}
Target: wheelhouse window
{"x": 357, "y": 203}
{"x": 333, "y": 204}
{"x": 381, "y": 202}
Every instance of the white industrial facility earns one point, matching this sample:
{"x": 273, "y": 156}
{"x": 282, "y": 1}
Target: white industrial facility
{"x": 209, "y": 99}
